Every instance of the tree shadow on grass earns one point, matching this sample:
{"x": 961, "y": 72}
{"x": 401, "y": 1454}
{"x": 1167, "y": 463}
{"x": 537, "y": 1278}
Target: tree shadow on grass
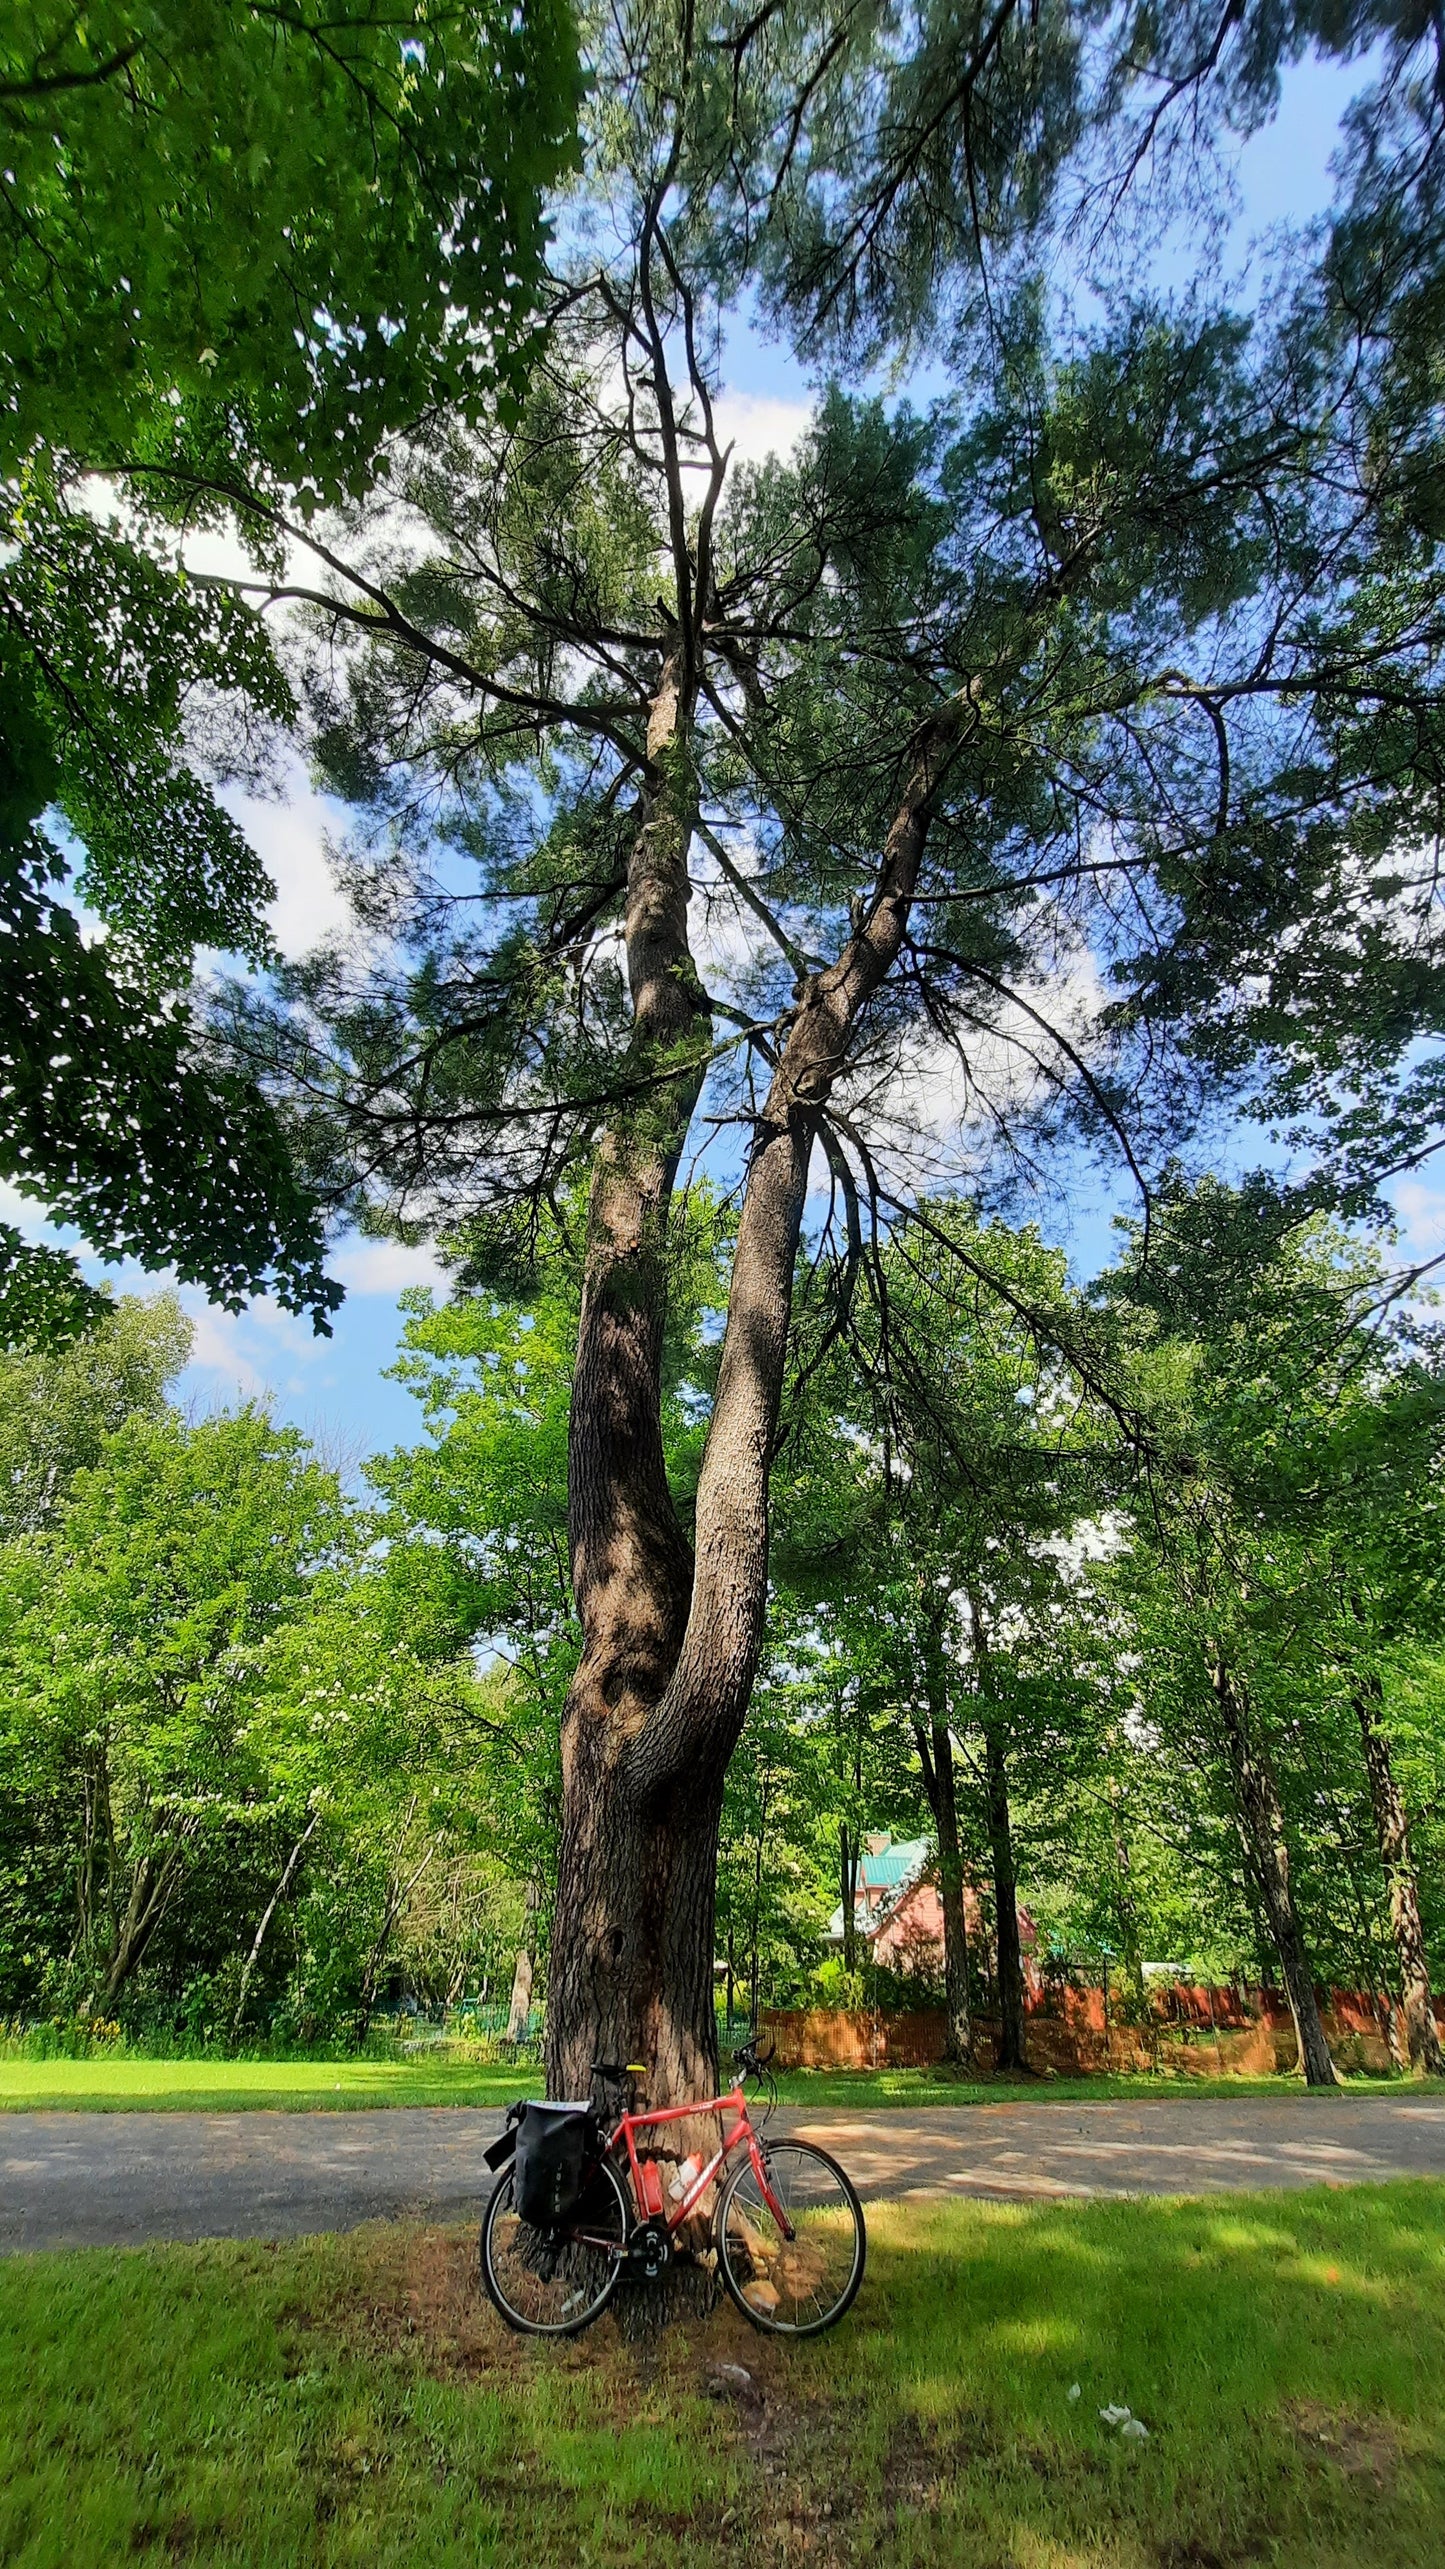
{"x": 1285, "y": 2353}
{"x": 346, "y": 2398}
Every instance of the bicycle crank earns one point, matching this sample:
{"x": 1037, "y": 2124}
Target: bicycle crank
{"x": 650, "y": 2248}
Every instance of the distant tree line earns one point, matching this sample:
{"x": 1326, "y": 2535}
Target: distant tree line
{"x": 1128, "y": 1599}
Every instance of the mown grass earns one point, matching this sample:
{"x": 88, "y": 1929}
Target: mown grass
{"x": 353, "y": 2400}
{"x": 868, "y": 2089}
{"x": 126, "y": 2084}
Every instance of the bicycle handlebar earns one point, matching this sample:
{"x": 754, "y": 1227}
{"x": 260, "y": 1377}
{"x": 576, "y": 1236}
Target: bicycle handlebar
{"x": 750, "y": 2060}
{"x": 619, "y": 2072}
{"x": 747, "y": 2060}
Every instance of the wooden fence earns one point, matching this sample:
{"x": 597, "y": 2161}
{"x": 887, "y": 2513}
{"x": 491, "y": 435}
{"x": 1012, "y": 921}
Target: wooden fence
{"x": 1188, "y": 2030}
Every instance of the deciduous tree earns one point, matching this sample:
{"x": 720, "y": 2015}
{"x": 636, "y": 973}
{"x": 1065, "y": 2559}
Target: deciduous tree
{"x": 236, "y": 242}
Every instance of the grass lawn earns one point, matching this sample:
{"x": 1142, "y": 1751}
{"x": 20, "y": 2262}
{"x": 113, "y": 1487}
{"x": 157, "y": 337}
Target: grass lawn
{"x": 351, "y": 2400}
{"x": 223, "y": 2087}
{"x": 868, "y": 2089}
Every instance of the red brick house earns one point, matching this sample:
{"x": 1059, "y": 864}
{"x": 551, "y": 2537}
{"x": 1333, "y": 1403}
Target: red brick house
{"x": 899, "y": 1914}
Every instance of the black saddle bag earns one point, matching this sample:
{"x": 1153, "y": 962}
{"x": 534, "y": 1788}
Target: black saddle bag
{"x": 558, "y": 2146}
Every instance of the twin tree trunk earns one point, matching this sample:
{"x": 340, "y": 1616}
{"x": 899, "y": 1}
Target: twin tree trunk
{"x": 1261, "y": 1828}
{"x": 670, "y": 1640}
{"x": 935, "y": 1756}
{"x": 1010, "y": 2054}
{"x": 1401, "y": 1882}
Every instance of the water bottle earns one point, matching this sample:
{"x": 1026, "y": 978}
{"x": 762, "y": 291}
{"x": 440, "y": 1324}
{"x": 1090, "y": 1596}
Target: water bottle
{"x": 685, "y": 2174}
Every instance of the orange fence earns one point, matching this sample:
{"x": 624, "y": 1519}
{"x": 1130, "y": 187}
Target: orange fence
{"x": 1206, "y": 2033}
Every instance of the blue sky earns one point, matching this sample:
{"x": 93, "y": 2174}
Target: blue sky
{"x": 335, "y": 1388}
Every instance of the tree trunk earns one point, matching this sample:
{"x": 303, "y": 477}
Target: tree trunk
{"x": 1401, "y": 1881}
{"x": 288, "y": 1876}
{"x": 1011, "y": 2054}
{"x": 848, "y": 1850}
{"x": 935, "y": 1756}
{"x": 1126, "y": 1910}
{"x": 519, "y": 2014}
{"x": 153, "y": 1886}
{"x": 617, "y": 1988}
{"x": 754, "y": 1967}
{"x": 670, "y": 1647}
{"x": 1261, "y": 1827}
{"x": 398, "y": 1892}
{"x": 640, "y": 1987}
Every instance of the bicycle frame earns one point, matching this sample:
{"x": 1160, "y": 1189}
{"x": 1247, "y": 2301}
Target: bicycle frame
{"x": 629, "y": 2125}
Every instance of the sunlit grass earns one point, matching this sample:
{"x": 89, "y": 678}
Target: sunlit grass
{"x": 354, "y": 2400}
{"x": 869, "y": 2089}
{"x": 221, "y": 2087}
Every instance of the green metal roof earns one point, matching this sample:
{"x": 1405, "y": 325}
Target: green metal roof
{"x": 894, "y": 1865}
{"x": 894, "y": 1869}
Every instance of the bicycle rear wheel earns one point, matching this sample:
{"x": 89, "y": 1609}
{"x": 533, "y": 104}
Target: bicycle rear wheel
{"x": 555, "y": 2286}
{"x": 792, "y": 2287}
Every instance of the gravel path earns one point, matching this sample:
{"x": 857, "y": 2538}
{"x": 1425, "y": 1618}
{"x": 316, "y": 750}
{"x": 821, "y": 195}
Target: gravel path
{"x": 93, "y": 2180}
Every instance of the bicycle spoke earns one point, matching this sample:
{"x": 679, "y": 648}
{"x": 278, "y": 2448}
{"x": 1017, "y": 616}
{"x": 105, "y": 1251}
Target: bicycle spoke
{"x": 799, "y": 2284}
{"x": 553, "y": 2285}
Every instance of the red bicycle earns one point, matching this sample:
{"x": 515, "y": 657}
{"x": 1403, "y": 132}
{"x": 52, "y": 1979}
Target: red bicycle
{"x": 788, "y": 2231}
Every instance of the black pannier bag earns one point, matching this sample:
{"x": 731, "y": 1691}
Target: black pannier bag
{"x": 557, "y": 2148}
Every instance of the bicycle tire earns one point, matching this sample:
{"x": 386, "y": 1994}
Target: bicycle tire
{"x": 756, "y": 2273}
{"x": 505, "y": 2259}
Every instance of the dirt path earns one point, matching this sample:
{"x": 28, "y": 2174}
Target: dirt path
{"x": 91, "y": 2180}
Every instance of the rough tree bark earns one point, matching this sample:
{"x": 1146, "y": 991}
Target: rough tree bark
{"x": 670, "y": 1647}
{"x": 1266, "y": 1851}
{"x": 1401, "y": 1881}
{"x": 1010, "y": 2054}
{"x": 628, "y": 1979}
{"x": 935, "y": 1755}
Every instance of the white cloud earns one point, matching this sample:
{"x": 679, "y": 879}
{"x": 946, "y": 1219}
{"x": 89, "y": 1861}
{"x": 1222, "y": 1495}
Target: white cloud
{"x": 289, "y": 836}
{"x": 253, "y": 1354}
{"x": 936, "y": 1120}
{"x": 218, "y": 553}
{"x": 758, "y": 424}
{"x": 1420, "y": 1208}
{"x": 218, "y": 1350}
{"x": 385, "y": 1267}
{"x": 25, "y": 1216}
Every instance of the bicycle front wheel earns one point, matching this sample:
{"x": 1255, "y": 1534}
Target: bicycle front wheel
{"x": 554, "y": 2285}
{"x": 793, "y": 2286}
